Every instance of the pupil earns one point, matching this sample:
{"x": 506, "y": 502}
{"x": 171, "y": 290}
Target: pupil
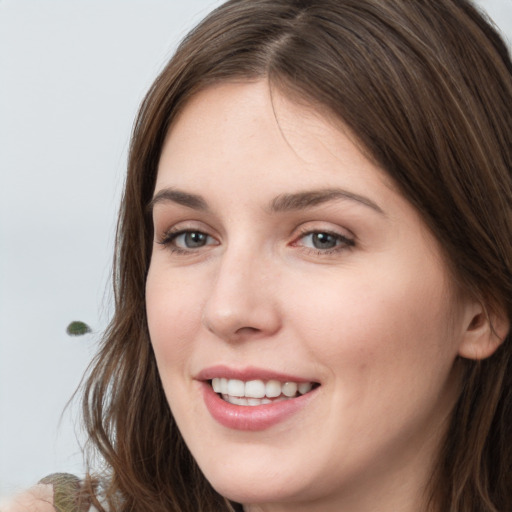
{"x": 195, "y": 239}
{"x": 324, "y": 241}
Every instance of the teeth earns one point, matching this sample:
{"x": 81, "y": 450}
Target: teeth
{"x": 255, "y": 389}
{"x": 236, "y": 387}
{"x": 238, "y": 401}
{"x": 273, "y": 388}
{"x": 258, "y": 392}
{"x": 250, "y": 401}
{"x": 305, "y": 387}
{"x": 290, "y": 389}
{"x": 216, "y": 385}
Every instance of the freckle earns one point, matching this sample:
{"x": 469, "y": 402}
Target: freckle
{"x": 362, "y": 367}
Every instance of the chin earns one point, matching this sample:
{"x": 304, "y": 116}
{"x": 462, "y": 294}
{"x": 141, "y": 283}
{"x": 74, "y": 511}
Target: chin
{"x": 251, "y": 491}
{"x": 248, "y": 483}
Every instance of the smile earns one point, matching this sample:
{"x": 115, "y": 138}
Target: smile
{"x": 258, "y": 392}
{"x": 253, "y": 399}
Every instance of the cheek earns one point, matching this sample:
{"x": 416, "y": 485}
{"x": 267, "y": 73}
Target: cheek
{"x": 377, "y": 326}
{"x": 387, "y": 353}
{"x": 174, "y": 316}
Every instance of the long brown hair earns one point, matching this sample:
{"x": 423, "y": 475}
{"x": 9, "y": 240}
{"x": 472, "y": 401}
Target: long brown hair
{"x": 426, "y": 88}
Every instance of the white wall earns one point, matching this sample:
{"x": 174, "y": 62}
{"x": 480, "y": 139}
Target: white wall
{"x": 71, "y": 76}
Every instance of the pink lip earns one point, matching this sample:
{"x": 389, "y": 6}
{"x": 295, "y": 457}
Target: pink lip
{"x": 249, "y": 418}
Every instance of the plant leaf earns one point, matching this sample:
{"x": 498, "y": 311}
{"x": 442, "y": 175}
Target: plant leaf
{"x": 77, "y": 328}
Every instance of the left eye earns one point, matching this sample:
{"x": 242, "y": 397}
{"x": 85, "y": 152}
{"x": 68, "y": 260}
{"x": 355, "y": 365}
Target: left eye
{"x": 190, "y": 240}
{"x": 321, "y": 240}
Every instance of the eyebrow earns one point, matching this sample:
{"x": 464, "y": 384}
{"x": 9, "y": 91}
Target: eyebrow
{"x": 281, "y": 203}
{"x": 312, "y": 198}
{"x": 173, "y": 195}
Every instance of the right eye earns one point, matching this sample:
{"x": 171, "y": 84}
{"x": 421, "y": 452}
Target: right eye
{"x": 187, "y": 240}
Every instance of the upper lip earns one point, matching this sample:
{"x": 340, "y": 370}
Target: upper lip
{"x": 246, "y": 374}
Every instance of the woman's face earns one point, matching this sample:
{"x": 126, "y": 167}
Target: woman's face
{"x": 289, "y": 272}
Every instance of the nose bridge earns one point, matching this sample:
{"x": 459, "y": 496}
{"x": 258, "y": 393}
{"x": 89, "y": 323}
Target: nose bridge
{"x": 242, "y": 300}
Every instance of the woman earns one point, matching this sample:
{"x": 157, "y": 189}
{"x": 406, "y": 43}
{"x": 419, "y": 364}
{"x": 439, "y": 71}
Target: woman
{"x": 313, "y": 272}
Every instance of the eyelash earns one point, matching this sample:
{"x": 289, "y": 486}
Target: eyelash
{"x": 342, "y": 242}
{"x": 171, "y": 235}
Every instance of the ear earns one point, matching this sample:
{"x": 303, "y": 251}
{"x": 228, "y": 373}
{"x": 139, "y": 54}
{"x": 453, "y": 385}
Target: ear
{"x": 484, "y": 331}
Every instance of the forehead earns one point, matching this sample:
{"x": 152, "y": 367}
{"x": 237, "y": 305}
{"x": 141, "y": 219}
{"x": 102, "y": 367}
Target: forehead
{"x": 238, "y": 129}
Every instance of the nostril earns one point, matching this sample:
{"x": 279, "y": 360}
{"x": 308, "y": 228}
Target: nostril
{"x": 247, "y": 330}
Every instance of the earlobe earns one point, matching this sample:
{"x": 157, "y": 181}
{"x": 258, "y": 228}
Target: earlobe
{"x": 484, "y": 333}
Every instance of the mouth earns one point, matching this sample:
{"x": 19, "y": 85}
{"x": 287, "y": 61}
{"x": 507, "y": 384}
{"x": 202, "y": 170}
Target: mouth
{"x": 254, "y": 399}
{"x": 259, "y": 392}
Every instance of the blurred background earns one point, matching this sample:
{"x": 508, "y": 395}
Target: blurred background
{"x": 72, "y": 74}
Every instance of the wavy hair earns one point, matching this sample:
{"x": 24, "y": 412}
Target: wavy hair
{"x": 426, "y": 88}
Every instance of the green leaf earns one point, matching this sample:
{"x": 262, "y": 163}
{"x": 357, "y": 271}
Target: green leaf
{"x": 78, "y": 328}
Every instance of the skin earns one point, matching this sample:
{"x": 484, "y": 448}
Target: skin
{"x": 376, "y": 320}
{"x": 37, "y": 499}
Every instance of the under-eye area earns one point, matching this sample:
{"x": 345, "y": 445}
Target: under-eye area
{"x": 259, "y": 392}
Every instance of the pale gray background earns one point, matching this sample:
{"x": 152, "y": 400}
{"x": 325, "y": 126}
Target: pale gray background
{"x": 72, "y": 73}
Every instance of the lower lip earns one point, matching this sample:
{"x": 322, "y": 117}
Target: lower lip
{"x": 253, "y": 418}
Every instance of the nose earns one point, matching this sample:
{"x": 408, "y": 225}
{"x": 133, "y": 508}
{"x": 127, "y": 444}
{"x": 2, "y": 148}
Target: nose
{"x": 242, "y": 303}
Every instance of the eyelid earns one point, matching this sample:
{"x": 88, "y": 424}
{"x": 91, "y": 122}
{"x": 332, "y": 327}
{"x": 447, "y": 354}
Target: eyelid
{"x": 173, "y": 235}
{"x": 166, "y": 237}
{"x": 307, "y": 228}
{"x": 347, "y": 240}
{"x": 167, "y": 227}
